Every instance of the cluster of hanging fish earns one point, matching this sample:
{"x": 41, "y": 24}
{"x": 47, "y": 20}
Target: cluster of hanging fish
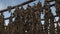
{"x": 28, "y": 21}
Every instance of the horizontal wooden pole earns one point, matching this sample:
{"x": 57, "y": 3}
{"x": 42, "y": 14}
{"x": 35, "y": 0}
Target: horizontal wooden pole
{"x": 17, "y": 6}
{"x": 52, "y": 5}
{"x": 13, "y": 17}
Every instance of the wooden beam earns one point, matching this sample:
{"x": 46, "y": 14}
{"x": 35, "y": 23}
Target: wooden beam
{"x": 51, "y": 1}
{"x": 52, "y": 5}
{"x": 17, "y": 6}
{"x": 13, "y": 17}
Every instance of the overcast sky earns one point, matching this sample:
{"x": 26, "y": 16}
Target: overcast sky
{"x": 5, "y": 3}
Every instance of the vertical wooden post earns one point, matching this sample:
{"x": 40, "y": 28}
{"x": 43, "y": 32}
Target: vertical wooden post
{"x": 52, "y": 27}
{"x": 38, "y": 18}
{"x": 57, "y": 5}
{"x": 1, "y": 23}
{"x": 46, "y": 24}
{"x": 46, "y": 12}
